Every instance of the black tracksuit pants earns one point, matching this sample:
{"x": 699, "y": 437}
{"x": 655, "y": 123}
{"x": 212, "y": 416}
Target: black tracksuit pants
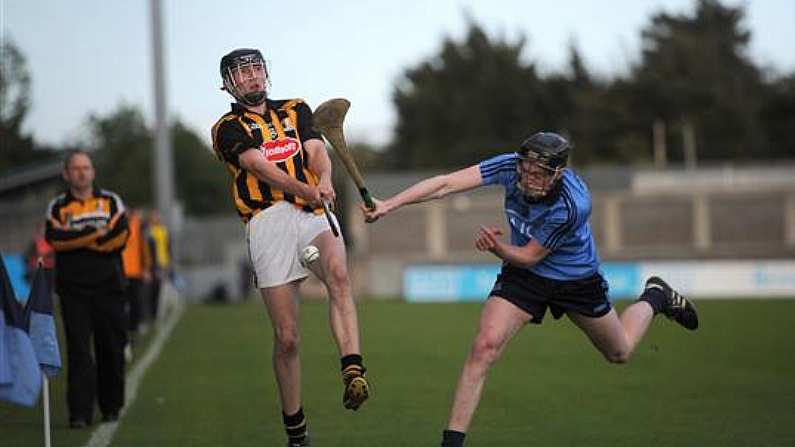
{"x": 94, "y": 314}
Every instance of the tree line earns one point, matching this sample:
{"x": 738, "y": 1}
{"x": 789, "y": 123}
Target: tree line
{"x": 694, "y": 81}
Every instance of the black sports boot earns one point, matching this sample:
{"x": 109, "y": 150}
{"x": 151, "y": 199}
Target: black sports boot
{"x": 676, "y": 307}
{"x": 357, "y": 389}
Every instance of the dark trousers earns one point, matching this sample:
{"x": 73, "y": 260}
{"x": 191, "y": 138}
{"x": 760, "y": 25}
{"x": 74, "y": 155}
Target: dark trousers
{"x": 96, "y": 313}
{"x": 154, "y": 296}
{"x": 135, "y": 301}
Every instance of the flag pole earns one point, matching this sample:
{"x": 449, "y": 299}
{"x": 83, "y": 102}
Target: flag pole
{"x": 46, "y": 390}
{"x": 45, "y": 385}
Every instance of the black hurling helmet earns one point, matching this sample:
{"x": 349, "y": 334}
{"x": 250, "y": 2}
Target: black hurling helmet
{"x": 548, "y": 151}
{"x": 237, "y": 60}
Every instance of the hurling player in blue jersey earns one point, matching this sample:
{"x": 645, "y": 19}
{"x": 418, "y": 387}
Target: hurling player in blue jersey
{"x": 550, "y": 262}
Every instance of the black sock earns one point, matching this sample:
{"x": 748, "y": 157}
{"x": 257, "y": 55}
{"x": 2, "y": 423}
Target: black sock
{"x": 351, "y": 359}
{"x": 452, "y": 438}
{"x": 655, "y": 298}
{"x": 295, "y": 425}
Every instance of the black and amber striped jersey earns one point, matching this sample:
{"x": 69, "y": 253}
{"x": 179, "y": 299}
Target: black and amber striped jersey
{"x": 280, "y": 135}
{"x": 87, "y": 236}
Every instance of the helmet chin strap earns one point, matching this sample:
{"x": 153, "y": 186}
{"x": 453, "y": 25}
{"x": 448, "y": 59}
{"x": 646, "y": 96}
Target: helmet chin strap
{"x": 534, "y": 196}
{"x": 537, "y": 193}
{"x": 254, "y": 98}
{"x": 250, "y": 99}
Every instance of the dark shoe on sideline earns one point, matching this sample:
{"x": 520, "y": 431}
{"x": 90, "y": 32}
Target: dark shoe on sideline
{"x": 78, "y": 423}
{"x": 113, "y": 416}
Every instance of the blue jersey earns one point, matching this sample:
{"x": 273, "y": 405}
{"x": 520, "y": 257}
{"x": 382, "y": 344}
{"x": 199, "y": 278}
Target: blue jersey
{"x": 560, "y": 224}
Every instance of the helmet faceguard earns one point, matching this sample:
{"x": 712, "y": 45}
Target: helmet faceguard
{"x": 245, "y": 76}
{"x": 542, "y": 158}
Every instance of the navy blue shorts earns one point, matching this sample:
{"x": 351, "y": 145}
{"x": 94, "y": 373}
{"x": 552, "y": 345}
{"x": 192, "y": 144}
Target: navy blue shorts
{"x": 533, "y": 294}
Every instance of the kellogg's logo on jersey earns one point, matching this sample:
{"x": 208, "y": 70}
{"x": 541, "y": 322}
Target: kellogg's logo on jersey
{"x": 281, "y": 149}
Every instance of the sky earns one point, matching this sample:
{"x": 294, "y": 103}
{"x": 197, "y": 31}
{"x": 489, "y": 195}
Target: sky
{"x": 89, "y": 56}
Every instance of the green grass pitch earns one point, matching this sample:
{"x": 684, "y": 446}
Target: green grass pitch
{"x": 731, "y": 383}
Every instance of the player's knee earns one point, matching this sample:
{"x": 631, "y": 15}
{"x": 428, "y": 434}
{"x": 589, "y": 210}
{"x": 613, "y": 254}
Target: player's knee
{"x": 618, "y": 356}
{"x": 485, "y": 350}
{"x": 286, "y": 341}
{"x": 338, "y": 275}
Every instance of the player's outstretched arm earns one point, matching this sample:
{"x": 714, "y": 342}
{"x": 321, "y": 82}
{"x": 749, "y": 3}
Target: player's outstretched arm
{"x": 487, "y": 239}
{"x": 428, "y": 189}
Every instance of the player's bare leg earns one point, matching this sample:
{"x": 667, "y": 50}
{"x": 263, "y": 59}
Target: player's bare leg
{"x": 282, "y": 305}
{"x": 333, "y": 271}
{"x": 499, "y": 322}
{"x": 617, "y": 338}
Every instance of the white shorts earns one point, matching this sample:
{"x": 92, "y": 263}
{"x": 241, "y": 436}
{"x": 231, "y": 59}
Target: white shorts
{"x": 276, "y": 236}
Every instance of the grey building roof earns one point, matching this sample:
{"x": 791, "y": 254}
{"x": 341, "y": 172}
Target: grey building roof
{"x": 14, "y": 183}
